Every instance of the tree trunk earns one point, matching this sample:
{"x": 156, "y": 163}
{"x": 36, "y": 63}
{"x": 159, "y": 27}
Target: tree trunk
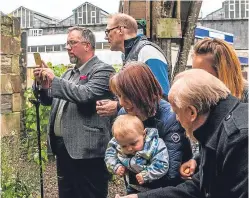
{"x": 188, "y": 36}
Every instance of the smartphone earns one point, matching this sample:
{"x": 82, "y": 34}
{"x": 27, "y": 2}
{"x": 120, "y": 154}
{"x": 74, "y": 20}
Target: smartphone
{"x": 37, "y": 58}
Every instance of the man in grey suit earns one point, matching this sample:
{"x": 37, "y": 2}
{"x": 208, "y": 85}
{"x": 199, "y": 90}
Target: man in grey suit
{"x": 77, "y": 134}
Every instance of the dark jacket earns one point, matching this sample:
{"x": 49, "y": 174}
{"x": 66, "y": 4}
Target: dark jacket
{"x": 172, "y": 133}
{"x": 84, "y": 132}
{"x": 224, "y": 158}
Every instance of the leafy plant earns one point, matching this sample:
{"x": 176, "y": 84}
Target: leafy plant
{"x": 19, "y": 160}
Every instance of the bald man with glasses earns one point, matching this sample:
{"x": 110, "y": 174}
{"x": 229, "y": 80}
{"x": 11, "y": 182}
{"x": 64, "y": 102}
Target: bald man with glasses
{"x": 121, "y": 34}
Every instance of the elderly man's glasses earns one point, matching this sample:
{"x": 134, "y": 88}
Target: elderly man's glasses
{"x": 107, "y": 31}
{"x": 74, "y": 43}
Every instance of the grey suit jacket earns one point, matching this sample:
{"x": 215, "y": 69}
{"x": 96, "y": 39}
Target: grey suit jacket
{"x": 84, "y": 132}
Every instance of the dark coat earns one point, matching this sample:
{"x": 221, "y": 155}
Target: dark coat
{"x": 224, "y": 158}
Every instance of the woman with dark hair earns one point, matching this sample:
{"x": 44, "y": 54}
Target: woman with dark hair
{"x": 140, "y": 94}
{"x": 219, "y": 59}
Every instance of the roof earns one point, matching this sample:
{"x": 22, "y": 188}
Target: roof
{"x": 2, "y": 14}
{"x": 212, "y": 13}
{"x": 37, "y": 13}
{"x": 91, "y": 5}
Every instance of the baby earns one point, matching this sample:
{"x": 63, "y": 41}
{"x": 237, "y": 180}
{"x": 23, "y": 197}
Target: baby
{"x": 135, "y": 149}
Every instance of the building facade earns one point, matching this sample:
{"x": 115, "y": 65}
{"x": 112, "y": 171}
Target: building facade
{"x": 48, "y": 35}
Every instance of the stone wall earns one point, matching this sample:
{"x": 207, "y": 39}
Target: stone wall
{"x": 12, "y": 83}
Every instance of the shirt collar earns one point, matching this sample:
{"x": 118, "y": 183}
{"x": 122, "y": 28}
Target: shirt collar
{"x": 79, "y": 70}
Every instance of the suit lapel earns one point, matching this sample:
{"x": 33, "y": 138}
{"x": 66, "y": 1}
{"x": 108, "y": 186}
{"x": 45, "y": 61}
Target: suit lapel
{"x": 90, "y": 65}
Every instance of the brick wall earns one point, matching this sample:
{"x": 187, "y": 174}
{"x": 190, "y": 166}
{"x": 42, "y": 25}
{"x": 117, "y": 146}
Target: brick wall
{"x": 12, "y": 83}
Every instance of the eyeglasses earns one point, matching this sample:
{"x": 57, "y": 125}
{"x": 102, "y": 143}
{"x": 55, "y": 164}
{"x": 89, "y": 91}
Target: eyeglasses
{"x": 107, "y": 31}
{"x": 74, "y": 43}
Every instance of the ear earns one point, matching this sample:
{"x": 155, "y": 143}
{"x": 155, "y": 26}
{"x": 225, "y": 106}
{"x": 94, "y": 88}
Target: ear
{"x": 193, "y": 113}
{"x": 121, "y": 30}
{"x": 144, "y": 134}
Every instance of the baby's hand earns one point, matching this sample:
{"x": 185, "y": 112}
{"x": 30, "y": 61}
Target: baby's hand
{"x": 120, "y": 171}
{"x": 140, "y": 178}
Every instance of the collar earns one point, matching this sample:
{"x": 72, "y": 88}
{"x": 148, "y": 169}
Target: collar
{"x": 79, "y": 70}
{"x": 207, "y": 133}
{"x": 129, "y": 43}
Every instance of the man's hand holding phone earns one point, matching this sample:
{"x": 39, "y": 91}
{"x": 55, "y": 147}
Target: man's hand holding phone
{"x": 42, "y": 73}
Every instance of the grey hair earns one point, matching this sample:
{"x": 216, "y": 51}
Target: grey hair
{"x": 86, "y": 33}
{"x": 198, "y": 88}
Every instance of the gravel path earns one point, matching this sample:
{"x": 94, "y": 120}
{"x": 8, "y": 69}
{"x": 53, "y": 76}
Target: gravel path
{"x": 50, "y": 183}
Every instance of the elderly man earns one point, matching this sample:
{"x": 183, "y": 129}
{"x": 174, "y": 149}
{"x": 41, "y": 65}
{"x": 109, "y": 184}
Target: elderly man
{"x": 219, "y": 121}
{"x": 77, "y": 134}
{"x": 121, "y": 33}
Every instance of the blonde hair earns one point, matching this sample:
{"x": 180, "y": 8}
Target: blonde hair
{"x": 225, "y": 62}
{"x": 198, "y": 88}
{"x": 125, "y": 124}
{"x": 125, "y": 20}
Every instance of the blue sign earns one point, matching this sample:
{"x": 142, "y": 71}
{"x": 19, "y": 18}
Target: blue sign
{"x": 202, "y": 32}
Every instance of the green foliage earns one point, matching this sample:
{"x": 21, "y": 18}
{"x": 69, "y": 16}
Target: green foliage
{"x": 31, "y": 127}
{"x": 20, "y": 159}
{"x": 15, "y": 181}
{"x": 117, "y": 67}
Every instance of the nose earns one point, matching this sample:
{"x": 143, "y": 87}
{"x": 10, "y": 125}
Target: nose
{"x": 129, "y": 148}
{"x": 106, "y": 37}
{"x": 67, "y": 46}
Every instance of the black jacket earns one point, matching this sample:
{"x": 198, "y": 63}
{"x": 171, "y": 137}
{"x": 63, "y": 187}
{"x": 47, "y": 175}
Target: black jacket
{"x": 224, "y": 158}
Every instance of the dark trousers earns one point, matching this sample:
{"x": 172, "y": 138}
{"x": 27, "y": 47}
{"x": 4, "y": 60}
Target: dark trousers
{"x": 80, "y": 178}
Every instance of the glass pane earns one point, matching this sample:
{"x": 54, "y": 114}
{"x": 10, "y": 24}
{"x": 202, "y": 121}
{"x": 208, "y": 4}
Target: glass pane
{"x": 49, "y": 48}
{"x": 106, "y": 45}
{"x": 33, "y": 49}
{"x": 237, "y": 9}
{"x": 88, "y": 17}
{"x": 98, "y": 45}
{"x": 84, "y": 17}
{"x": 226, "y": 11}
{"x": 63, "y": 48}
{"x": 57, "y": 48}
{"x": 93, "y": 20}
{"x": 80, "y": 20}
{"x": 41, "y": 48}
{"x": 97, "y": 16}
{"x": 243, "y": 10}
{"x": 231, "y": 14}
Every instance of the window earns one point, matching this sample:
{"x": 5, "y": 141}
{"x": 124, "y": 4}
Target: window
{"x": 98, "y": 45}
{"x": 93, "y": 16}
{"x": 49, "y": 48}
{"x": 36, "y": 32}
{"x": 106, "y": 45}
{"x": 33, "y": 49}
{"x": 57, "y": 48}
{"x": 41, "y": 48}
{"x": 247, "y": 8}
{"x": 231, "y": 9}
